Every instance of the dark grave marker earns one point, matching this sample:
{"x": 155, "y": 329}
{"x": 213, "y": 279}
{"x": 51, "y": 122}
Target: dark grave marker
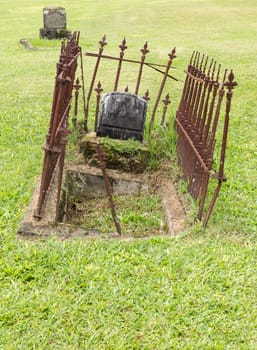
{"x": 122, "y": 116}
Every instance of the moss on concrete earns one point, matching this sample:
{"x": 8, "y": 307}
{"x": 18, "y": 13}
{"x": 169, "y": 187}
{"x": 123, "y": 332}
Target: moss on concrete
{"x": 125, "y": 155}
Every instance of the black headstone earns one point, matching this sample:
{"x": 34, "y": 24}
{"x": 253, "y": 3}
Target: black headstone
{"x": 122, "y": 116}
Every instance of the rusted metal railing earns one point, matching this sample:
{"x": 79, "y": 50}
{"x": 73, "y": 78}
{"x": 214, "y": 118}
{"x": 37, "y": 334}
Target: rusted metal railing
{"x": 101, "y": 158}
{"x": 56, "y": 137}
{"x": 121, "y": 60}
{"x": 76, "y": 87}
{"x": 196, "y": 123}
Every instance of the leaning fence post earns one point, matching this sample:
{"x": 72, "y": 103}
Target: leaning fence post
{"x": 98, "y": 91}
{"x": 122, "y": 47}
{"x": 230, "y": 84}
{"x": 77, "y": 86}
{"x": 83, "y": 92}
{"x": 144, "y": 51}
{"x": 56, "y": 137}
{"x": 102, "y": 43}
{"x": 100, "y": 156}
{"x": 171, "y": 55}
{"x": 166, "y": 102}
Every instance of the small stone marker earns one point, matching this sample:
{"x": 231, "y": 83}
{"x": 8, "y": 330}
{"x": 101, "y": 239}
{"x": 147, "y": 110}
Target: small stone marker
{"x": 122, "y": 116}
{"x": 54, "y": 23}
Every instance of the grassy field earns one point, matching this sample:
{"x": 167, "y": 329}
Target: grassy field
{"x": 197, "y": 291}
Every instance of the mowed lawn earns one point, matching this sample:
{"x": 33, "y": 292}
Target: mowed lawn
{"x": 196, "y": 291}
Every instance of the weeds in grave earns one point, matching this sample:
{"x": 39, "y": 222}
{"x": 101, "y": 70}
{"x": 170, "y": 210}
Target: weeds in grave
{"x": 140, "y": 214}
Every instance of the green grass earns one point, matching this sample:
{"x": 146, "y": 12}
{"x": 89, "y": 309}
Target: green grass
{"x": 194, "y": 292}
{"x": 139, "y": 214}
{"x": 139, "y": 295}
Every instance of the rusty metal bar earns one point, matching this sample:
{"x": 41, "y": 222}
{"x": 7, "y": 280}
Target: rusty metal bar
{"x": 187, "y": 137}
{"x": 201, "y": 138}
{"x": 199, "y": 85}
{"x": 202, "y": 92}
{"x": 144, "y": 51}
{"x": 122, "y": 47}
{"x": 199, "y": 91}
{"x": 52, "y": 152}
{"x": 100, "y": 156}
{"x": 98, "y": 91}
{"x": 196, "y": 123}
{"x": 77, "y": 86}
{"x": 83, "y": 93}
{"x": 171, "y": 55}
{"x": 166, "y": 102}
{"x": 215, "y": 87}
{"x": 192, "y": 91}
{"x": 58, "y": 128}
{"x": 185, "y": 88}
{"x": 230, "y": 84}
{"x": 205, "y": 102}
{"x": 102, "y": 43}
{"x": 63, "y": 142}
{"x": 217, "y": 113}
{"x": 92, "y": 54}
{"x": 151, "y": 65}
{"x": 61, "y": 123}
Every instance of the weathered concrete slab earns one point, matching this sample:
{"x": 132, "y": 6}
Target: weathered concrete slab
{"x": 87, "y": 182}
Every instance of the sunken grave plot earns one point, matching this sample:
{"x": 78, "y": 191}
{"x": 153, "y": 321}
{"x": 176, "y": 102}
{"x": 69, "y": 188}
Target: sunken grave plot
{"x": 106, "y": 188}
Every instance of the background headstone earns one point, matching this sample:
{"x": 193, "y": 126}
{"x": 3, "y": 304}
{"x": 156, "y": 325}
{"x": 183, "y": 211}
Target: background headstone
{"x": 54, "y": 23}
{"x": 54, "y": 18}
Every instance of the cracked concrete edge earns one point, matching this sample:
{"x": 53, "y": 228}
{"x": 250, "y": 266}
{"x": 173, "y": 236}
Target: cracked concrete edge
{"x": 32, "y": 226}
{"x": 174, "y": 213}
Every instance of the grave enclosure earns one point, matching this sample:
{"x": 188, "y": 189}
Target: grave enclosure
{"x": 121, "y": 115}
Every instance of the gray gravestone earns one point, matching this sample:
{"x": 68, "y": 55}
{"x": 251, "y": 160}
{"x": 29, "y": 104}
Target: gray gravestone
{"x": 54, "y": 23}
{"x": 54, "y": 18}
{"x": 122, "y": 116}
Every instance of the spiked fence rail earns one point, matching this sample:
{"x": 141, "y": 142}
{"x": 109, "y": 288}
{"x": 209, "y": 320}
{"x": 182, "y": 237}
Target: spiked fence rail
{"x": 56, "y": 137}
{"x": 121, "y": 60}
{"x": 196, "y": 123}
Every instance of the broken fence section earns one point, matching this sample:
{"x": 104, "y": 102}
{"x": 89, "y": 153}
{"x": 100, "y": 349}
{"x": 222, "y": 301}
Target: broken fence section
{"x": 56, "y": 137}
{"x": 196, "y": 123}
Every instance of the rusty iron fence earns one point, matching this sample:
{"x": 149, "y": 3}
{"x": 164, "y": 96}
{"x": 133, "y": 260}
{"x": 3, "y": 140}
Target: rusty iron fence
{"x": 56, "y": 137}
{"x": 98, "y": 86}
{"x": 196, "y": 122}
{"x": 65, "y": 85}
